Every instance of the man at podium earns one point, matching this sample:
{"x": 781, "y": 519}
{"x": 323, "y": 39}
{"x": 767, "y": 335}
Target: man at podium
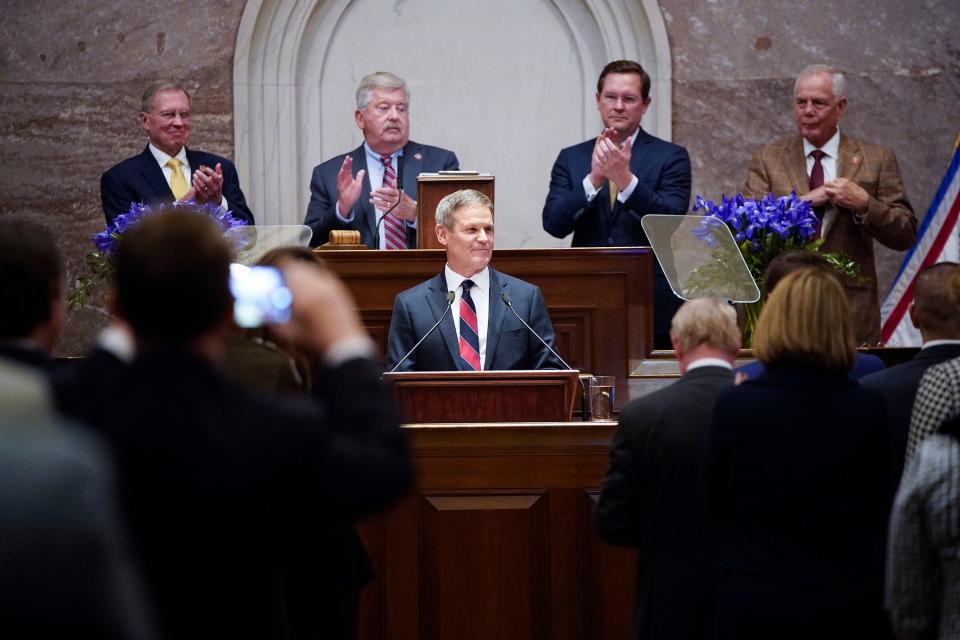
{"x": 467, "y": 318}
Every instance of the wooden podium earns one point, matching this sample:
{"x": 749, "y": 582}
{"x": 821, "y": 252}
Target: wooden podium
{"x": 484, "y": 396}
{"x": 431, "y": 188}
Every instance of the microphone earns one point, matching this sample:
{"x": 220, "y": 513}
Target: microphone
{"x": 376, "y": 231}
{"x": 506, "y": 300}
{"x": 450, "y": 297}
{"x": 583, "y": 389}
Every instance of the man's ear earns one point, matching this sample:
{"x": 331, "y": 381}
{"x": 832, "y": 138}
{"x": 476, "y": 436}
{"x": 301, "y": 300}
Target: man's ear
{"x": 441, "y": 232}
{"x": 912, "y": 311}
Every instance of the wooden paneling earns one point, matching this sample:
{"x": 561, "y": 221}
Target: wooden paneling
{"x": 485, "y": 396}
{"x": 496, "y": 540}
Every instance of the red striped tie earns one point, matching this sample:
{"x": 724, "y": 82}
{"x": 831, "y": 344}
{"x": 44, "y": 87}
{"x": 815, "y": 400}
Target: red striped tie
{"x": 394, "y": 231}
{"x": 469, "y": 333}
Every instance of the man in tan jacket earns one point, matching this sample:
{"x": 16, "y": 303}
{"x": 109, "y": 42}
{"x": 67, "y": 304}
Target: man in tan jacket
{"x": 855, "y": 187}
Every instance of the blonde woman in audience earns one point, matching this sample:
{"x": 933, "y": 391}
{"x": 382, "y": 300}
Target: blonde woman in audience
{"x": 796, "y": 479}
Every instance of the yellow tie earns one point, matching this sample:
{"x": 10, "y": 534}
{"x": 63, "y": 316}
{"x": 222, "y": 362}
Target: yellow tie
{"x": 613, "y": 193}
{"x": 178, "y": 184}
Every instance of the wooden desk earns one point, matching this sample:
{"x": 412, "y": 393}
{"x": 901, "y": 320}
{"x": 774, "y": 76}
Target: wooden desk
{"x": 497, "y": 540}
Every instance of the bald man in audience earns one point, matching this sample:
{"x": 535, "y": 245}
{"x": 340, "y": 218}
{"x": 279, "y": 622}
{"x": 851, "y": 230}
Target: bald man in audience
{"x": 854, "y": 186}
{"x": 650, "y": 497}
{"x": 935, "y": 311}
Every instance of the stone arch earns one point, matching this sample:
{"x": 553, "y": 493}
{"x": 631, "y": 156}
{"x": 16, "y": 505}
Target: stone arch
{"x": 294, "y": 77}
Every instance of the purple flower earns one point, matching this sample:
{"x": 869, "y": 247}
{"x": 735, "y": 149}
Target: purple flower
{"x": 107, "y": 239}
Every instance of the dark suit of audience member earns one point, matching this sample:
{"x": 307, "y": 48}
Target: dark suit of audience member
{"x": 600, "y": 189}
{"x": 477, "y": 330}
{"x": 936, "y": 313}
{"x": 356, "y": 189}
{"x": 651, "y": 497}
{"x": 166, "y": 170}
{"x": 65, "y": 567}
{"x": 215, "y": 480}
{"x": 32, "y": 290}
{"x": 797, "y": 479}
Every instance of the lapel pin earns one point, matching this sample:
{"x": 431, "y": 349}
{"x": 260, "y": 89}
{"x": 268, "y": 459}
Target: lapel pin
{"x": 417, "y": 156}
{"x": 855, "y": 160}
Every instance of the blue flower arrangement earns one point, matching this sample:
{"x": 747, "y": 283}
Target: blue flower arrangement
{"x": 765, "y": 228}
{"x": 100, "y": 262}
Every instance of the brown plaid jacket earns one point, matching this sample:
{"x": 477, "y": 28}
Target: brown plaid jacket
{"x": 780, "y": 167}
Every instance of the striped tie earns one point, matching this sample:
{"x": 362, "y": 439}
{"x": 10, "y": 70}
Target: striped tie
{"x": 394, "y": 231}
{"x": 469, "y": 334}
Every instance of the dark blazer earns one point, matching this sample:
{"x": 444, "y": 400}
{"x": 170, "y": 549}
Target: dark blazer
{"x": 663, "y": 173}
{"x": 780, "y": 167}
{"x": 215, "y": 481}
{"x": 864, "y": 364}
{"x": 509, "y": 344}
{"x": 899, "y": 385}
{"x": 651, "y": 500}
{"x": 140, "y": 179}
{"x": 66, "y": 565}
{"x": 797, "y": 481}
{"x": 322, "y": 210}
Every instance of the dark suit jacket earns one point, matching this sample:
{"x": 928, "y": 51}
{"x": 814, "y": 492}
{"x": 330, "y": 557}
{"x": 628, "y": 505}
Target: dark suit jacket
{"x": 322, "y": 210}
{"x": 663, "y": 173}
{"x": 140, "y": 179}
{"x": 215, "y": 480}
{"x": 651, "y": 499}
{"x": 780, "y": 167}
{"x": 509, "y": 344}
{"x": 797, "y": 481}
{"x": 899, "y": 386}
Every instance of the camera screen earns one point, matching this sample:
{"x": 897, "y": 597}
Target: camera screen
{"x": 259, "y": 296}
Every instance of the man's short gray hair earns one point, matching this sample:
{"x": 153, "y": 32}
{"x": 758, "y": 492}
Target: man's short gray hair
{"x": 159, "y": 86}
{"x": 707, "y": 321}
{"x": 449, "y": 204}
{"x": 378, "y": 80}
{"x": 839, "y": 82}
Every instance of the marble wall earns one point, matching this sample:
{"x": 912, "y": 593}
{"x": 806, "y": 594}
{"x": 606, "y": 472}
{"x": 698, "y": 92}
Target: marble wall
{"x": 71, "y": 74}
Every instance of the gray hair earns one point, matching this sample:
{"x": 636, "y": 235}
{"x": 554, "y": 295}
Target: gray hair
{"x": 159, "y": 86}
{"x": 839, "y": 82}
{"x": 707, "y": 321}
{"x": 449, "y": 204}
{"x": 378, "y": 80}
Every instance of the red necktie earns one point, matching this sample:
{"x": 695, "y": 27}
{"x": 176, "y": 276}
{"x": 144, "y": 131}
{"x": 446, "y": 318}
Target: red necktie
{"x": 393, "y": 228}
{"x": 469, "y": 333}
{"x": 816, "y": 181}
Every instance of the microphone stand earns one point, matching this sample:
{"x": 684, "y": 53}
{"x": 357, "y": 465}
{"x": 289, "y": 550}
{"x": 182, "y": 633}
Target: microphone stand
{"x": 450, "y": 297}
{"x": 583, "y": 389}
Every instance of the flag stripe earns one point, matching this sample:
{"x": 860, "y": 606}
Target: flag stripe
{"x": 936, "y": 230}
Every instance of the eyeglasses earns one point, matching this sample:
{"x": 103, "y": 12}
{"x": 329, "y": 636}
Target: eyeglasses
{"x": 172, "y": 115}
{"x": 611, "y": 100}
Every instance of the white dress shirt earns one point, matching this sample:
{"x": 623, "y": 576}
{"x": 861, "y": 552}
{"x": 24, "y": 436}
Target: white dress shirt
{"x": 480, "y": 294}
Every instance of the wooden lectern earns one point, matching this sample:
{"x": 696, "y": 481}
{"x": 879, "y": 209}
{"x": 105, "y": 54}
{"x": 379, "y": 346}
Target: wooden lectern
{"x": 484, "y": 396}
{"x": 431, "y": 187}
